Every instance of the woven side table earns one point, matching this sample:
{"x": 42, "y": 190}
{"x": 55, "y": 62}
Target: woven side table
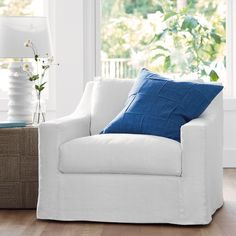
{"x": 18, "y": 167}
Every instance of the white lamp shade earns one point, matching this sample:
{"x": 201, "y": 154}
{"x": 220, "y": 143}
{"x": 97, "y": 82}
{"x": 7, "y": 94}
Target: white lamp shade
{"x": 15, "y": 31}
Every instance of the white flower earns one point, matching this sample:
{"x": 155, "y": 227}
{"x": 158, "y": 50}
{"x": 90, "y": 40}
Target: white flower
{"x": 26, "y": 67}
{"x": 28, "y": 43}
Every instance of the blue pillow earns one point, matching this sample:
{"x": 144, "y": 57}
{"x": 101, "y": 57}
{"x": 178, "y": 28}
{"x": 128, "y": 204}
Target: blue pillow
{"x": 159, "y": 106}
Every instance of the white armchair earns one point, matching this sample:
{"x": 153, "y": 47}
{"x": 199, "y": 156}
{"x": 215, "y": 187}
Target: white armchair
{"x": 125, "y": 177}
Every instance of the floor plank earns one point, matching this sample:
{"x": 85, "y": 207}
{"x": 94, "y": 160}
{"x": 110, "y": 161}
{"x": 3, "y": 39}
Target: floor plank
{"x": 24, "y": 222}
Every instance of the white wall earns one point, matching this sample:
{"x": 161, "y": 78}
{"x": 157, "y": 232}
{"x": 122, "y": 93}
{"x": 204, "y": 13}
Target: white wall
{"x": 229, "y": 156}
{"x": 68, "y": 26}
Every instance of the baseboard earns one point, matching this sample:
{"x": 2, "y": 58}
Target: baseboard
{"x": 229, "y": 158}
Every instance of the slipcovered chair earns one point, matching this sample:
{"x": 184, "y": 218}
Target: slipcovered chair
{"x": 130, "y": 178}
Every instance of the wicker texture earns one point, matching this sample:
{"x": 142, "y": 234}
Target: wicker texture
{"x": 18, "y": 167}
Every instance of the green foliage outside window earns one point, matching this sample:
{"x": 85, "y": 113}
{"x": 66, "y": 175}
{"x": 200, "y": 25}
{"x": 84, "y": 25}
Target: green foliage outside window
{"x": 15, "y": 7}
{"x": 164, "y": 38}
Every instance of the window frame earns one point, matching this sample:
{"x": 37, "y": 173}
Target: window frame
{"x": 231, "y": 48}
{"x": 91, "y": 39}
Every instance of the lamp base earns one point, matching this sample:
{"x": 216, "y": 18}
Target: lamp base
{"x": 20, "y": 94}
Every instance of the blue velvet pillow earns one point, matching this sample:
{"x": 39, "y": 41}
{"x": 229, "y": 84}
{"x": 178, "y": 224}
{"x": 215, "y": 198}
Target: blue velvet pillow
{"x": 159, "y": 106}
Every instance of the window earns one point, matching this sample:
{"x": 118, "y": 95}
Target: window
{"x": 180, "y": 38}
{"x": 16, "y": 8}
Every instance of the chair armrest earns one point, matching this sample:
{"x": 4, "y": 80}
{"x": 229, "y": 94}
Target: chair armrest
{"x": 51, "y": 135}
{"x": 64, "y": 129}
{"x": 56, "y": 132}
{"x": 202, "y": 147}
{"x": 202, "y": 172}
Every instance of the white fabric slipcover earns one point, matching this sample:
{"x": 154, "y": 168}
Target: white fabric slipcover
{"x": 102, "y": 110}
{"x": 191, "y": 198}
{"x": 121, "y": 154}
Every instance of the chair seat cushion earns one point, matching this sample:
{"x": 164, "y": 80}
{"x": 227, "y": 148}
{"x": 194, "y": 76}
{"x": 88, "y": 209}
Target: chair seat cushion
{"x": 121, "y": 154}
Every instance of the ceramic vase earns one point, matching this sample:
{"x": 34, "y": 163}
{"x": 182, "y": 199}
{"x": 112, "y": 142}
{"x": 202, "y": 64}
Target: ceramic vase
{"x": 20, "y": 94}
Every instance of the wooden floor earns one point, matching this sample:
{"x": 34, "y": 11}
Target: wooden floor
{"x": 23, "y": 222}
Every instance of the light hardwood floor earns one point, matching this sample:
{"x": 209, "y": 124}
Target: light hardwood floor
{"x": 23, "y": 222}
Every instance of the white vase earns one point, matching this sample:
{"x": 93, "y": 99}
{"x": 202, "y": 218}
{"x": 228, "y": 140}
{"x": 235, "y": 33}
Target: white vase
{"x": 20, "y": 94}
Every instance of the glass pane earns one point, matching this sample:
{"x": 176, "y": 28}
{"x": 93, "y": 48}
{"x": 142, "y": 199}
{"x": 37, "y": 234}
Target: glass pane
{"x": 175, "y": 37}
{"x": 16, "y": 8}
{"x": 21, "y": 7}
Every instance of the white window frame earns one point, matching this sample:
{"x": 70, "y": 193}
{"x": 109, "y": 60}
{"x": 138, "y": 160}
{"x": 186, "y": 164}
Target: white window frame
{"x": 92, "y": 19}
{"x": 50, "y": 13}
{"x": 231, "y": 47}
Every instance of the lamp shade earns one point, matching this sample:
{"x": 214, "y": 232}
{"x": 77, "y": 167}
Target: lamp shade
{"x": 16, "y": 30}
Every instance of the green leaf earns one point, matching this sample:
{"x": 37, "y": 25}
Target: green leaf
{"x": 213, "y": 76}
{"x": 159, "y": 8}
{"x": 167, "y": 63}
{"x": 34, "y": 77}
{"x": 159, "y": 36}
{"x": 224, "y": 24}
{"x": 203, "y": 72}
{"x": 162, "y": 48}
{"x": 43, "y": 84}
{"x": 45, "y": 67}
{"x": 174, "y": 30}
{"x": 216, "y": 37}
{"x": 189, "y": 23}
{"x": 206, "y": 63}
{"x": 39, "y": 87}
{"x": 158, "y": 55}
{"x": 36, "y": 57}
{"x": 169, "y": 15}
